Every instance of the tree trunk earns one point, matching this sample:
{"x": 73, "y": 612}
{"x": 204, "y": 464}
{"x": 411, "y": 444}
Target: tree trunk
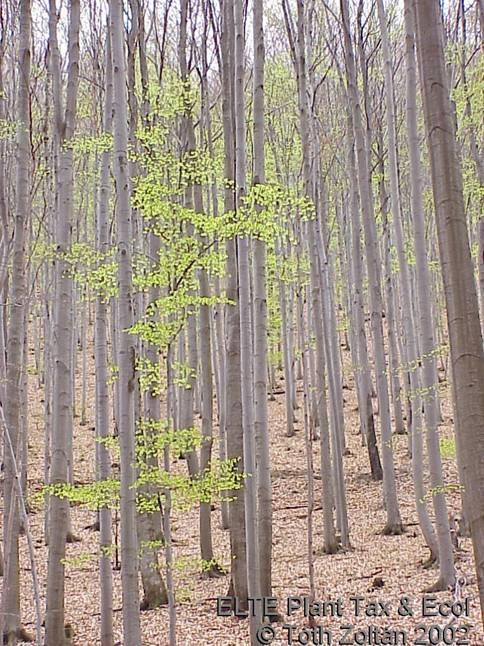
{"x": 394, "y": 523}
{"x": 61, "y": 440}
{"x": 233, "y": 402}
{"x": 466, "y": 349}
{"x": 126, "y": 353}
{"x": 330, "y": 541}
{"x": 101, "y": 364}
{"x": 264, "y": 488}
{"x": 11, "y": 629}
{"x": 427, "y": 340}
{"x": 246, "y": 335}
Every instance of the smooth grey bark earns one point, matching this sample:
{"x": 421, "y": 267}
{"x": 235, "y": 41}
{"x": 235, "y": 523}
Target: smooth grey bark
{"x": 22, "y": 634}
{"x": 390, "y": 288}
{"x": 199, "y": 345}
{"x": 393, "y": 523}
{"x": 329, "y": 540}
{"x": 10, "y": 621}
{"x": 62, "y": 406}
{"x": 331, "y": 341}
{"x": 205, "y": 345}
{"x": 361, "y": 368}
{"x": 126, "y": 352}
{"x": 233, "y": 401}
{"x": 101, "y": 365}
{"x": 148, "y": 524}
{"x": 206, "y": 374}
{"x": 408, "y": 340}
{"x": 308, "y": 443}
{"x": 166, "y": 510}
{"x": 5, "y": 243}
{"x": 245, "y": 304}
{"x": 287, "y": 351}
{"x": 188, "y": 393}
{"x": 261, "y": 429}
{"x": 429, "y": 376}
{"x": 466, "y": 347}
{"x": 417, "y": 454}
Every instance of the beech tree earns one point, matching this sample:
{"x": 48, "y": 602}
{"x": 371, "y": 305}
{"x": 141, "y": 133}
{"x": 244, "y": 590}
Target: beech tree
{"x": 62, "y": 409}
{"x": 13, "y": 455}
{"x": 466, "y": 348}
{"x": 126, "y": 356}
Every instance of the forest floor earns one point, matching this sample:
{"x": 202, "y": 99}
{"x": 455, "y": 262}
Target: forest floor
{"x": 397, "y": 560}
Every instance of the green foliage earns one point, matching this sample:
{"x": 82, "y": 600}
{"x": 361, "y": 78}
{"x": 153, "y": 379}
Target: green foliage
{"x": 150, "y": 377}
{"x": 165, "y": 317}
{"x": 154, "y": 435}
{"x": 440, "y": 350}
{"x": 151, "y": 440}
{"x": 111, "y": 443}
{"x": 80, "y": 560}
{"x": 452, "y": 487}
{"x": 94, "y": 495}
{"x": 86, "y": 144}
{"x": 113, "y": 370}
{"x": 145, "y": 546}
{"x": 172, "y": 98}
{"x": 153, "y": 482}
{"x": 93, "y": 269}
{"x": 196, "y": 564}
{"x": 7, "y": 130}
{"x": 183, "y": 374}
{"x": 43, "y": 252}
{"x": 447, "y": 448}
{"x": 185, "y": 491}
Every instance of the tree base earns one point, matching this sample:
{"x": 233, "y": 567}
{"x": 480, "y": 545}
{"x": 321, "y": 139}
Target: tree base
{"x": 274, "y": 619}
{"x": 94, "y": 527}
{"x": 439, "y": 586}
{"x": 154, "y": 600}
{"x": 463, "y": 528}
{"x": 430, "y": 562}
{"x": 19, "y": 635}
{"x": 333, "y": 548}
{"x": 213, "y": 572}
{"x": 393, "y": 529}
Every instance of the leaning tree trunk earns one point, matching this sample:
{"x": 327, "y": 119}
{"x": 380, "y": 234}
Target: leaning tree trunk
{"x": 466, "y": 349}
{"x": 427, "y": 340}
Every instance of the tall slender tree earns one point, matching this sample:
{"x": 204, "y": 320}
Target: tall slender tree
{"x": 101, "y": 362}
{"x": 264, "y": 487}
{"x": 466, "y": 347}
{"x": 62, "y": 413}
{"x": 126, "y": 351}
{"x": 10, "y": 621}
{"x": 394, "y": 523}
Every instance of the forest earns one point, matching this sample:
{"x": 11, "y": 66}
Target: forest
{"x": 241, "y": 322}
